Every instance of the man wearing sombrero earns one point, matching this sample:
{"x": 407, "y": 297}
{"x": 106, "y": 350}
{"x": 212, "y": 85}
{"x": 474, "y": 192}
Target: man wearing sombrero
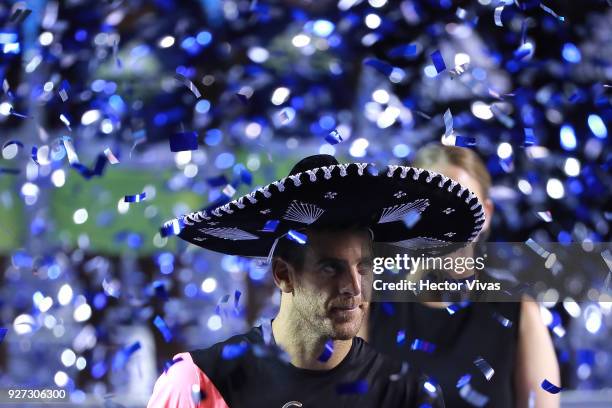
{"x": 316, "y": 227}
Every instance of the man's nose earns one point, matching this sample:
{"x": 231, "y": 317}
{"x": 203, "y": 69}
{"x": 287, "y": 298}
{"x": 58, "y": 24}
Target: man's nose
{"x": 351, "y": 282}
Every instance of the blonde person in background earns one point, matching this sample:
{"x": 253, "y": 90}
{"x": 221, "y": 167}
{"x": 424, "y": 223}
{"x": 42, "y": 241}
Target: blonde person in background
{"x": 520, "y": 352}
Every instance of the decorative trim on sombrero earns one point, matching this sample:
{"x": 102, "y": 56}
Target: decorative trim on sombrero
{"x": 399, "y": 211}
{"x": 422, "y": 243}
{"x": 233, "y": 233}
{"x": 307, "y": 213}
{"x": 304, "y": 213}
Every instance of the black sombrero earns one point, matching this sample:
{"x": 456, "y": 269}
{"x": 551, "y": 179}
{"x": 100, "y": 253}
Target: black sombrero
{"x": 321, "y": 191}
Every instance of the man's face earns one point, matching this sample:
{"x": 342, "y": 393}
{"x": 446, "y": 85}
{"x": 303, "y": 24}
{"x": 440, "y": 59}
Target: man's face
{"x": 332, "y": 290}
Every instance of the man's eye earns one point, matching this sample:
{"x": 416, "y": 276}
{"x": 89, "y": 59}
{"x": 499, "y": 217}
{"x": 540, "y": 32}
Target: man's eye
{"x": 328, "y": 270}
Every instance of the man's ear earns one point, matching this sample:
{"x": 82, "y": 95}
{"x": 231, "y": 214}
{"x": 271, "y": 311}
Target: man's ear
{"x": 282, "y": 272}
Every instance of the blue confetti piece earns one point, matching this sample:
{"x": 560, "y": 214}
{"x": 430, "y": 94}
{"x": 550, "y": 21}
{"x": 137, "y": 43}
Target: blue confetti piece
{"x": 411, "y": 218}
{"x": 400, "y": 338}
{"x": 327, "y": 352}
{"x": 87, "y": 173}
{"x": 270, "y": 226}
{"x": 502, "y": 320}
{"x": 356, "y": 387}
{"x": 123, "y": 355}
{"x": 455, "y": 307}
{"x": 333, "y": 137}
{"x": 465, "y": 379}
{"x": 388, "y": 308}
{"x": 422, "y": 345}
{"x": 172, "y": 227}
{"x": 464, "y": 141}
{"x": 550, "y": 387}
{"x": 66, "y": 121}
{"x": 246, "y": 177}
{"x": 523, "y": 51}
{"x": 3, "y": 332}
{"x": 190, "y": 85}
{"x": 484, "y": 367}
{"x": 438, "y": 61}
{"x": 405, "y": 51}
{"x": 183, "y": 141}
{"x": 136, "y": 198}
{"x": 297, "y": 237}
{"x": 163, "y": 328}
{"x": 63, "y": 91}
{"x": 169, "y": 364}
{"x": 530, "y": 138}
{"x": 381, "y": 66}
{"x": 233, "y": 351}
{"x": 217, "y": 181}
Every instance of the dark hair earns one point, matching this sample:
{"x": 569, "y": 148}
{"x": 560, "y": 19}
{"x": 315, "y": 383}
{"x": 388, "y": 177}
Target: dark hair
{"x": 295, "y": 253}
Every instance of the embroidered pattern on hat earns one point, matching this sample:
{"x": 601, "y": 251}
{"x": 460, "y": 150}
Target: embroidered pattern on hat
{"x": 421, "y": 243}
{"x": 232, "y": 233}
{"x": 303, "y": 212}
{"x": 399, "y": 211}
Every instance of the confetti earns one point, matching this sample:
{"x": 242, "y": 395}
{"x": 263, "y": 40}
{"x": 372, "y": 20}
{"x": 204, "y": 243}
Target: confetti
{"x": 136, "y": 198}
{"x": 502, "y": 320}
{"x": 411, "y": 218}
{"x": 497, "y": 15}
{"x": 530, "y": 138}
{"x": 19, "y": 15}
{"x": 404, "y": 51}
{"x": 448, "y": 123}
{"x": 455, "y": 307}
{"x": 3, "y": 332}
{"x": 465, "y": 379}
{"x": 159, "y": 322}
{"x": 357, "y": 387}
{"x": 190, "y": 85}
{"x": 169, "y": 364}
{"x": 183, "y": 141}
{"x": 551, "y": 12}
{"x": 229, "y": 190}
{"x": 327, "y": 352}
{"x": 297, "y": 237}
{"x": 484, "y": 367}
{"x": 472, "y": 396}
{"x": 270, "y": 226}
{"x": 234, "y": 351}
{"x": 463, "y": 141}
{"x": 63, "y": 92}
{"x": 383, "y": 67}
{"x": 422, "y": 345}
{"x": 545, "y": 216}
{"x": 110, "y": 156}
{"x": 400, "y": 338}
{"x": 65, "y": 121}
{"x": 71, "y": 153}
{"x": 123, "y": 355}
{"x": 550, "y": 387}
{"x": 438, "y": 61}
{"x": 333, "y": 137}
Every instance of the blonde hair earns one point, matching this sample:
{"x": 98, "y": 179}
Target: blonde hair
{"x": 436, "y": 154}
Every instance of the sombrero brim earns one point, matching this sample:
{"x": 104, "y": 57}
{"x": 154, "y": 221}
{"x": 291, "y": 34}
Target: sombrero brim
{"x": 407, "y": 206}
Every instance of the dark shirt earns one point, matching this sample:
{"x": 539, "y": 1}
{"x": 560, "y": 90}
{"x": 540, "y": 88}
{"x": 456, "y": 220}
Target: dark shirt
{"x": 454, "y": 342}
{"x": 247, "y": 373}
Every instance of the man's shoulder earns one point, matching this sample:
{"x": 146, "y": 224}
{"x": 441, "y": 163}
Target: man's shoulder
{"x": 224, "y": 352}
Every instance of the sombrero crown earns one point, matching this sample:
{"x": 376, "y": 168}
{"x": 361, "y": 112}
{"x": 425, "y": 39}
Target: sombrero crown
{"x": 408, "y": 206}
